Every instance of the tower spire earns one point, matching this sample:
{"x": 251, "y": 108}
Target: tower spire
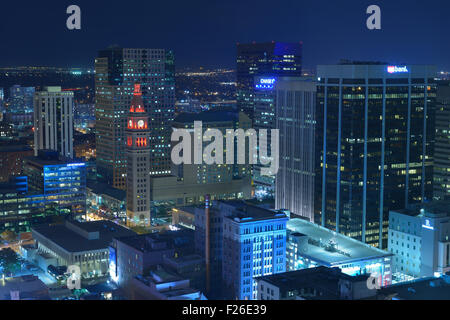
{"x": 137, "y": 104}
{"x": 138, "y": 162}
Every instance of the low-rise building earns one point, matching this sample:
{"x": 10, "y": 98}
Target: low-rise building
{"x": 106, "y": 201}
{"x": 85, "y": 244}
{"x": 420, "y": 289}
{"x": 320, "y": 283}
{"x": 23, "y": 288}
{"x": 310, "y": 245}
{"x": 184, "y": 216}
{"x": 162, "y": 284}
{"x": 419, "y": 237}
{"x": 136, "y": 255}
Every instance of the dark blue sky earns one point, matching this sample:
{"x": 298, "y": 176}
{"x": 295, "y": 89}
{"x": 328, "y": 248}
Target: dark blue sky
{"x": 204, "y": 32}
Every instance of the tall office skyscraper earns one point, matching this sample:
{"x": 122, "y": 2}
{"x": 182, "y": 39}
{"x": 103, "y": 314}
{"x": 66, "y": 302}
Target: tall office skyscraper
{"x": 117, "y": 70}
{"x": 375, "y": 134}
{"x": 441, "y": 181}
{"x": 254, "y": 245}
{"x": 258, "y": 67}
{"x": 138, "y": 162}
{"x": 264, "y": 118}
{"x": 295, "y": 118}
{"x": 20, "y": 99}
{"x": 273, "y": 59}
{"x": 53, "y": 121}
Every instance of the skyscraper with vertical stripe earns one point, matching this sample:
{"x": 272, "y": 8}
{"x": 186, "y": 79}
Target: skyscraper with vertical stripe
{"x": 375, "y": 135}
{"x": 295, "y": 120}
{"x": 53, "y": 121}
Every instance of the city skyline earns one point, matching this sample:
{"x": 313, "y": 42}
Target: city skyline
{"x": 239, "y": 150}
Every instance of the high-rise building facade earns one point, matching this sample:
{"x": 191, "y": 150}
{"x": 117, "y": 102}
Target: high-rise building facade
{"x": 117, "y": 70}
{"x": 272, "y": 59}
{"x": 264, "y": 119}
{"x": 49, "y": 187}
{"x": 212, "y": 217}
{"x": 295, "y": 120}
{"x": 254, "y": 245}
{"x": 374, "y": 145}
{"x": 53, "y": 121}
{"x": 441, "y": 183}
{"x": 11, "y": 160}
{"x": 18, "y": 110}
{"x": 138, "y": 162}
{"x": 20, "y": 99}
{"x": 58, "y": 180}
{"x": 203, "y": 173}
{"x": 419, "y": 238}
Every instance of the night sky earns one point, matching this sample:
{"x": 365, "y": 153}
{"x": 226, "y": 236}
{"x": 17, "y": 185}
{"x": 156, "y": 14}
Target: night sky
{"x": 205, "y": 32}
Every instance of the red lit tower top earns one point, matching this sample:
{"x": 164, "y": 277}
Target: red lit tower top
{"x": 137, "y": 124}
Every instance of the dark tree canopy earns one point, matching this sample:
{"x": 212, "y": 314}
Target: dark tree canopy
{"x": 9, "y": 261}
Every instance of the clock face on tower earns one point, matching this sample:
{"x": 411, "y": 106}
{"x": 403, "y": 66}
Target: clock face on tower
{"x": 140, "y": 123}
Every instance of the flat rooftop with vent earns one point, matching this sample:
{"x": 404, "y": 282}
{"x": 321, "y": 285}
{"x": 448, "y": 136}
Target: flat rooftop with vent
{"x": 310, "y": 245}
{"x": 85, "y": 244}
{"x": 245, "y": 212}
{"x": 421, "y": 289}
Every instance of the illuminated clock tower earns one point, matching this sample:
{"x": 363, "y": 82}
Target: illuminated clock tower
{"x": 138, "y": 162}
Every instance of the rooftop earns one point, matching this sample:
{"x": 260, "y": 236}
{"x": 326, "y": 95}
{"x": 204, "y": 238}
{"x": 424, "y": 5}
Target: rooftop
{"x": 422, "y": 289}
{"x": 431, "y": 209}
{"x": 106, "y": 189}
{"x": 207, "y": 116}
{"x": 160, "y": 241}
{"x": 363, "y": 70}
{"x": 29, "y": 287}
{"x": 51, "y": 157}
{"x": 319, "y": 277}
{"x": 188, "y": 209}
{"x": 169, "y": 284}
{"x": 347, "y": 249}
{"x": 184, "y": 260}
{"x": 15, "y": 148}
{"x": 244, "y": 212}
{"x": 82, "y": 236}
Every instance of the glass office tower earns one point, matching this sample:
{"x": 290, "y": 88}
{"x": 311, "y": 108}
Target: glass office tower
{"x": 258, "y": 66}
{"x": 50, "y": 187}
{"x": 117, "y": 70}
{"x": 374, "y": 146}
{"x": 295, "y": 119}
{"x": 442, "y": 146}
{"x": 272, "y": 59}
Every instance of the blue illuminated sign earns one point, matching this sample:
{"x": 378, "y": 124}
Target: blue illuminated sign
{"x": 265, "y": 83}
{"x": 427, "y": 225}
{"x": 113, "y": 264}
{"x": 76, "y": 164}
{"x": 396, "y": 69}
